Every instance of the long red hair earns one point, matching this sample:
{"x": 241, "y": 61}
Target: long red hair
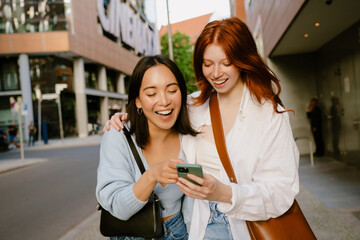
{"x": 239, "y": 46}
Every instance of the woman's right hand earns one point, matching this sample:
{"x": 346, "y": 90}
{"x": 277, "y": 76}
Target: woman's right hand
{"x": 165, "y": 172}
{"x": 115, "y": 121}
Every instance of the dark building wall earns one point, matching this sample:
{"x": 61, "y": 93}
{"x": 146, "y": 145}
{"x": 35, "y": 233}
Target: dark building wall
{"x": 275, "y": 17}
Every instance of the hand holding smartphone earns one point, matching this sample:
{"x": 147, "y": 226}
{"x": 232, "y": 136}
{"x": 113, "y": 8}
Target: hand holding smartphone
{"x": 184, "y": 168}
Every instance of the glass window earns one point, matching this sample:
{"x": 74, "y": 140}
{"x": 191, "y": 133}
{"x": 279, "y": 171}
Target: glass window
{"x": 45, "y": 72}
{"x": 34, "y": 16}
{"x": 9, "y": 76}
{"x": 111, "y": 80}
{"x": 91, "y": 76}
{"x": 93, "y": 106}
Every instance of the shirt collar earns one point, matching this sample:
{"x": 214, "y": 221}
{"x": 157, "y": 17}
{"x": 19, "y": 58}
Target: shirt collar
{"x": 244, "y": 103}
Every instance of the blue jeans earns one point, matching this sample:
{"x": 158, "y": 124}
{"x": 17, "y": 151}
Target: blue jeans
{"x": 31, "y": 139}
{"x": 218, "y": 225}
{"x": 174, "y": 228}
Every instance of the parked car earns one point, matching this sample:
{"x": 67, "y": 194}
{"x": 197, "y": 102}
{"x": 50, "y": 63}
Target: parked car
{"x": 4, "y": 143}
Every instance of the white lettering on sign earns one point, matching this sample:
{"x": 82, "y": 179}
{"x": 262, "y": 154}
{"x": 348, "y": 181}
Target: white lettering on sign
{"x": 126, "y": 25}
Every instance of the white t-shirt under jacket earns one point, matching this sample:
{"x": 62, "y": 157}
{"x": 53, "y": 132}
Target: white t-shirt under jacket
{"x": 265, "y": 159}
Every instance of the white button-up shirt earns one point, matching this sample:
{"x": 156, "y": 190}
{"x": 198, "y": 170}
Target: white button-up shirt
{"x": 265, "y": 159}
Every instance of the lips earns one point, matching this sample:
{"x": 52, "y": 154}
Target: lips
{"x": 165, "y": 112}
{"x": 219, "y": 82}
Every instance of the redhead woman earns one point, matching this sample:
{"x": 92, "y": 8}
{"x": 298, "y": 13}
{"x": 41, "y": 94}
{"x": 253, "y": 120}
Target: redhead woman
{"x": 158, "y": 119}
{"x": 257, "y": 132}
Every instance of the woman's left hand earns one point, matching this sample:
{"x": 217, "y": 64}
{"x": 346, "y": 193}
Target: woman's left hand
{"x": 211, "y": 189}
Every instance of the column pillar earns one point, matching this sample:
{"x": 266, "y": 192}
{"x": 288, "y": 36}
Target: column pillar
{"x": 104, "y": 101}
{"x": 26, "y": 91}
{"x": 80, "y": 97}
{"x": 121, "y": 83}
{"x": 121, "y": 89}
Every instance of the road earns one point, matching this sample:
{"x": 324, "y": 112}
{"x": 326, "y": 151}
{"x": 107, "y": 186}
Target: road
{"x": 46, "y": 200}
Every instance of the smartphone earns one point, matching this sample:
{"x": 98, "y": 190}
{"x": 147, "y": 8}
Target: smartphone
{"x": 184, "y": 168}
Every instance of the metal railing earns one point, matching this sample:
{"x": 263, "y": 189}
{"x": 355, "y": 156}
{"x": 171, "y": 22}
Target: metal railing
{"x": 310, "y": 148}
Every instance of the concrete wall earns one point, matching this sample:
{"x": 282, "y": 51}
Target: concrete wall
{"x": 88, "y": 41}
{"x": 85, "y": 39}
{"x": 331, "y": 71}
{"x": 274, "y": 15}
{"x": 339, "y": 76}
{"x": 240, "y": 9}
{"x": 298, "y": 82}
{"x": 40, "y": 42}
{"x": 334, "y": 70}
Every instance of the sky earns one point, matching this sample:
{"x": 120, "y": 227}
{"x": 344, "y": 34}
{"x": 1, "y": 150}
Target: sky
{"x": 181, "y": 10}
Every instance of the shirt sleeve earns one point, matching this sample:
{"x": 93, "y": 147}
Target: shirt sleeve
{"x": 116, "y": 177}
{"x": 274, "y": 181}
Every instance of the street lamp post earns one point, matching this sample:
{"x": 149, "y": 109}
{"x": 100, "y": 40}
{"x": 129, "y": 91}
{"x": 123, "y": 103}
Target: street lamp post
{"x": 60, "y": 117}
{"x": 58, "y": 88}
{"x": 19, "y": 109}
{"x": 38, "y": 96}
{"x": 171, "y": 54}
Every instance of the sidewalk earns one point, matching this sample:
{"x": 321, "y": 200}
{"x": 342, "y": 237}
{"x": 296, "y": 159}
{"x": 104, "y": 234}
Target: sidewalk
{"x": 13, "y": 164}
{"x": 67, "y": 142}
{"x": 329, "y": 197}
{"x": 329, "y": 194}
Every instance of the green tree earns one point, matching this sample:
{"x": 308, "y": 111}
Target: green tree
{"x": 183, "y": 55}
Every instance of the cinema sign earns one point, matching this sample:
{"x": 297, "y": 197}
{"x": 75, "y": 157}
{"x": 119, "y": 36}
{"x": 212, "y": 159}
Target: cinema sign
{"x": 122, "y": 22}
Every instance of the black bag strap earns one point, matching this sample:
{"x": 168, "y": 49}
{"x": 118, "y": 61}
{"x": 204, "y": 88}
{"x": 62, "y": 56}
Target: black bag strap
{"x": 153, "y": 196}
{"x": 133, "y": 149}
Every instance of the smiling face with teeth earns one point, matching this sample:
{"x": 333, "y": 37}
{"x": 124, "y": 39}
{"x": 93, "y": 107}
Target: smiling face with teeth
{"x": 159, "y": 97}
{"x": 223, "y": 76}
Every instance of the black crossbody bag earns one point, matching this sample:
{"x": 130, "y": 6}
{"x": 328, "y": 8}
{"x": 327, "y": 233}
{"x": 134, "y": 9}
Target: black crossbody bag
{"x": 146, "y": 223}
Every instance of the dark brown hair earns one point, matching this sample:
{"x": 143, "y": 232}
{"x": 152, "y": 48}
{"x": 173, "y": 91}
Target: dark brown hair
{"x": 239, "y": 46}
{"x": 138, "y": 123}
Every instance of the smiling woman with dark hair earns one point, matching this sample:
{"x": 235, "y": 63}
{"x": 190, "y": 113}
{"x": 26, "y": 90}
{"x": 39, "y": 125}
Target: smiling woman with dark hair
{"x": 139, "y": 122}
{"x": 158, "y": 118}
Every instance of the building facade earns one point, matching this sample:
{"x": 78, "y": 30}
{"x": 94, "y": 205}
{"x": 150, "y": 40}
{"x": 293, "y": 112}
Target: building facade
{"x": 314, "y": 48}
{"x": 70, "y": 60}
{"x": 191, "y": 27}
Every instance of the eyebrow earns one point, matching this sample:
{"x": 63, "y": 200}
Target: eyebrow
{"x": 169, "y": 85}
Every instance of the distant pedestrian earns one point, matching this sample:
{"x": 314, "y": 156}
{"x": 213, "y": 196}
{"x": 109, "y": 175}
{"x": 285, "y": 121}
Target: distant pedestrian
{"x": 32, "y": 131}
{"x": 335, "y": 113}
{"x": 315, "y": 116}
{"x": 12, "y": 129}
